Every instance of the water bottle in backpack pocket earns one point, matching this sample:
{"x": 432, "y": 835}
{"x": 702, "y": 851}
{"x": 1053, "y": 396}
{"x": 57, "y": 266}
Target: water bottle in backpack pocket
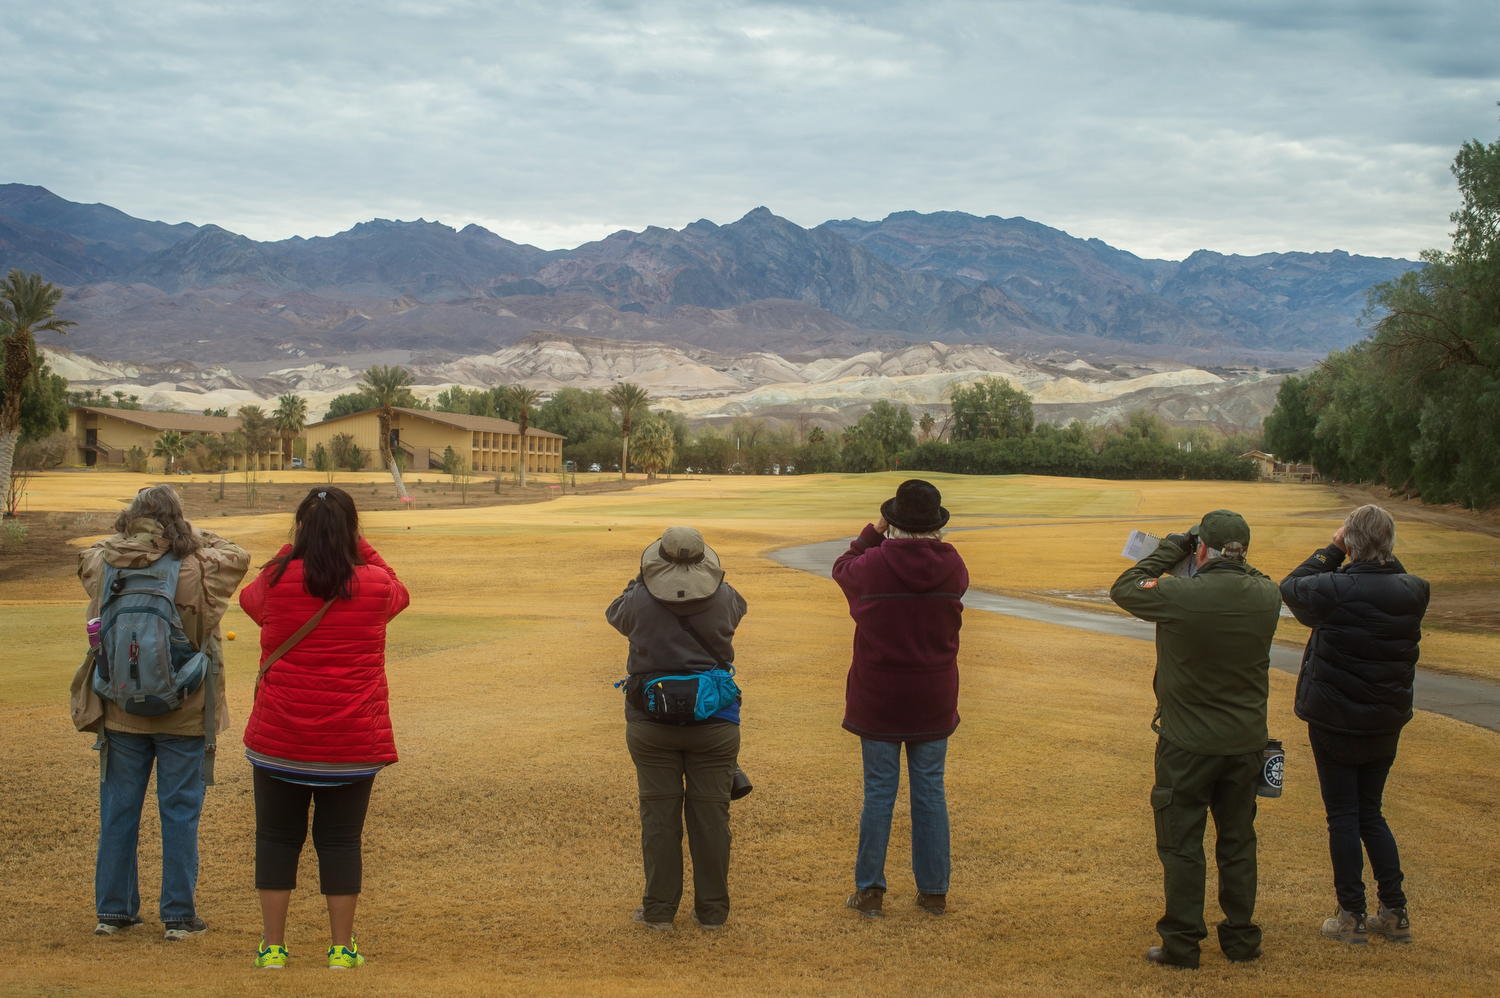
{"x": 145, "y": 664}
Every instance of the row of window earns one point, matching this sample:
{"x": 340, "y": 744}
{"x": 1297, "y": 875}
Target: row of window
{"x": 507, "y": 442}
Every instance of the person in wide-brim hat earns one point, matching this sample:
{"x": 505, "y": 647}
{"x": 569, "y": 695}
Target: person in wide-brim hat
{"x": 679, "y": 568}
{"x": 680, "y": 617}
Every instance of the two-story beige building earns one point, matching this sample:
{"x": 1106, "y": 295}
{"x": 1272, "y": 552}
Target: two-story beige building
{"x": 104, "y": 437}
{"x": 489, "y": 444}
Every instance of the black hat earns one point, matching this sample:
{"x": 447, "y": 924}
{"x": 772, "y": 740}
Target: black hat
{"x": 916, "y": 508}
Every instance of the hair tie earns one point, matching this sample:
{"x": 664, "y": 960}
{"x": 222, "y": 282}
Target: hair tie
{"x": 322, "y": 495}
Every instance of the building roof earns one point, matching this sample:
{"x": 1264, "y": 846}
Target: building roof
{"x": 461, "y": 420}
{"x": 179, "y": 421}
{"x": 1259, "y": 455}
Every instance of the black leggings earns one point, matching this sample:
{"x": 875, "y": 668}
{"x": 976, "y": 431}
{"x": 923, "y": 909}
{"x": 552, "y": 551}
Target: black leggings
{"x": 281, "y": 829}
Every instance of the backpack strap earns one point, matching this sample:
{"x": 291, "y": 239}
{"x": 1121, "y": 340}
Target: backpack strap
{"x": 289, "y": 644}
{"x": 719, "y": 662}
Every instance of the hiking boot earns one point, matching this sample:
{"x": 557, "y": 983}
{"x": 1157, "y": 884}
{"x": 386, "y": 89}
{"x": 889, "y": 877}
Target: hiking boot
{"x": 1347, "y": 927}
{"x": 639, "y": 915}
{"x": 1158, "y": 956}
{"x": 179, "y": 930}
{"x": 933, "y": 904}
{"x": 704, "y": 925}
{"x": 867, "y": 903}
{"x": 109, "y": 925}
{"x": 1391, "y": 923}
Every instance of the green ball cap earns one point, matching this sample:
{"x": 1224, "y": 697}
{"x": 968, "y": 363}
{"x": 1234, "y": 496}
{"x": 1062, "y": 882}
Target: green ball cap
{"x": 1223, "y": 526}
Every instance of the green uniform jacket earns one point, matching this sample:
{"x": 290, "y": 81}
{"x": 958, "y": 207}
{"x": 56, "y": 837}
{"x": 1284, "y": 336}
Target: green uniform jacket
{"x": 1213, "y": 649}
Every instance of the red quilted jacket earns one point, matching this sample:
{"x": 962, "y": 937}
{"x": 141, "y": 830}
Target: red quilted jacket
{"x": 325, "y": 700}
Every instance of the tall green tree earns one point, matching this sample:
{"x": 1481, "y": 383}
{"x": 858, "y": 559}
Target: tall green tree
{"x": 27, "y": 306}
{"x": 1416, "y": 405}
{"x": 1291, "y": 428}
{"x": 632, "y": 400}
{"x": 991, "y": 409}
{"x": 170, "y": 446}
{"x": 885, "y": 424}
{"x": 521, "y": 400}
{"x": 388, "y": 386}
{"x": 256, "y": 433}
{"x": 290, "y": 419}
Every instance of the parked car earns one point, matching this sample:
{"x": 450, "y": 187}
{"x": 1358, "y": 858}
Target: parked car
{"x": 297, "y": 463}
{"x": 594, "y": 467}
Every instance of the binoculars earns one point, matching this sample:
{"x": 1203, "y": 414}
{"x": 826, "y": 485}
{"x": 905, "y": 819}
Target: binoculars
{"x": 741, "y": 786}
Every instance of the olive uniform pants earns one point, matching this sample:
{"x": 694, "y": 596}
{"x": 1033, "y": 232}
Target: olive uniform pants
{"x": 679, "y": 770}
{"x": 1188, "y": 786}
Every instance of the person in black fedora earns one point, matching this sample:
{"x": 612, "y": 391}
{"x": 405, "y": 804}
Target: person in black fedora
{"x": 905, "y": 587}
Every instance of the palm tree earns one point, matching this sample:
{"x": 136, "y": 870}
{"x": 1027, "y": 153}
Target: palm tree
{"x": 171, "y": 446}
{"x": 389, "y": 386}
{"x": 522, "y": 398}
{"x": 631, "y": 400}
{"x": 27, "y": 307}
{"x": 257, "y": 433}
{"x": 655, "y": 445}
{"x": 290, "y": 419}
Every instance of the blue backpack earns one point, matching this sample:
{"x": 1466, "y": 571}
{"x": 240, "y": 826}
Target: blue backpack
{"x": 145, "y": 664}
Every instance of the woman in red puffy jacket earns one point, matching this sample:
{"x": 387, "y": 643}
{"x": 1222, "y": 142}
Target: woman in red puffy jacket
{"x": 320, "y": 729}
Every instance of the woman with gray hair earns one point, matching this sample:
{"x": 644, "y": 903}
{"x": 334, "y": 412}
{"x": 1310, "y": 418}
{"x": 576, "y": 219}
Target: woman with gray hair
{"x": 1355, "y": 693}
{"x": 157, "y": 590}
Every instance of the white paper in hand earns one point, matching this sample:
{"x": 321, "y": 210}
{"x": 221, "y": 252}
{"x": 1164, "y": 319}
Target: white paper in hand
{"x": 1139, "y": 544}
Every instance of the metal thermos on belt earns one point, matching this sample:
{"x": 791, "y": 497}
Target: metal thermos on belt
{"x": 1272, "y": 766}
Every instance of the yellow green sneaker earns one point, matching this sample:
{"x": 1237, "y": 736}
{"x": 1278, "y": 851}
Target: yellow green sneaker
{"x": 345, "y": 957}
{"x": 271, "y": 957}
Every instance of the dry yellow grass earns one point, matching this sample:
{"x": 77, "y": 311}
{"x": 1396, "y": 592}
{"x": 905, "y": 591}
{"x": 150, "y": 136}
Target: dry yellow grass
{"x": 502, "y": 852}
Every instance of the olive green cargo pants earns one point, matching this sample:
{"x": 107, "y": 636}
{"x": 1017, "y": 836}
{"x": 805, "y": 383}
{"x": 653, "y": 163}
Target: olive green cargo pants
{"x": 679, "y": 770}
{"x": 1187, "y": 787}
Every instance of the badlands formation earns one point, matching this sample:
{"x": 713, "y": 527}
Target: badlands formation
{"x": 708, "y": 386}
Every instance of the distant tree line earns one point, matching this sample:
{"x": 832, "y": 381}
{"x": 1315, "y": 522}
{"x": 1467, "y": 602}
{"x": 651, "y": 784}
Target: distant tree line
{"x": 1416, "y": 404}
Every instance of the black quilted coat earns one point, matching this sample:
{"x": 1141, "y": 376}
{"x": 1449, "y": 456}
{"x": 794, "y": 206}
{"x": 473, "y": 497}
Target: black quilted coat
{"x": 1359, "y": 665}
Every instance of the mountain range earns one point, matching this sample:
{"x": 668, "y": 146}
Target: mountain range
{"x": 154, "y": 292}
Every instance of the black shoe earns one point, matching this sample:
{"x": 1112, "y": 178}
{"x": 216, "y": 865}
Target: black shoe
{"x": 111, "y": 926}
{"x": 1254, "y": 955}
{"x": 180, "y": 930}
{"x": 1158, "y": 955}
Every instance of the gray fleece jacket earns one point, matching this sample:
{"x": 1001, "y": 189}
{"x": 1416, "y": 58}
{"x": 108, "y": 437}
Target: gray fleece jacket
{"x": 658, "y": 642}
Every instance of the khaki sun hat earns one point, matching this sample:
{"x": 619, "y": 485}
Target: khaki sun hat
{"x": 680, "y": 567}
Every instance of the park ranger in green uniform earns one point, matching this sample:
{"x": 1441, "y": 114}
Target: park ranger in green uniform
{"x": 1213, "y": 649}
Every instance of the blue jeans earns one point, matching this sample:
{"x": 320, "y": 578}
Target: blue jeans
{"x": 179, "y": 799}
{"x": 930, "y": 859}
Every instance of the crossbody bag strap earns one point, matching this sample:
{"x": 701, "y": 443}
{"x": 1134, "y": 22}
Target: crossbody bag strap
{"x": 289, "y": 644}
{"x": 703, "y": 643}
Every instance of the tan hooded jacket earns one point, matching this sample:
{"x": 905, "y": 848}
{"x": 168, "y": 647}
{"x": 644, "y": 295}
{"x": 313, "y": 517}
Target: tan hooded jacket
{"x": 206, "y": 581}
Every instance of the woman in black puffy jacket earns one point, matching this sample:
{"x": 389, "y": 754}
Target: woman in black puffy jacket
{"x": 1355, "y": 693}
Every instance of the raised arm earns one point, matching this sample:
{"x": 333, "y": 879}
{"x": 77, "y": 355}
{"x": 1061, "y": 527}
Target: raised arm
{"x": 1138, "y": 589}
{"x": 846, "y": 568}
{"x": 399, "y": 599}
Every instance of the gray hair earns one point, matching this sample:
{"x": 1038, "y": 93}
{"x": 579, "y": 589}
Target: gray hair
{"x": 1233, "y": 551}
{"x": 897, "y": 534}
{"x": 162, "y": 504}
{"x": 1370, "y": 534}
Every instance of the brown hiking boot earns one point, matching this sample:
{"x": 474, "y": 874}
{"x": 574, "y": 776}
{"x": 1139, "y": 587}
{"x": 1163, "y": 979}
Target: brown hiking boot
{"x": 933, "y": 904}
{"x": 1391, "y": 923}
{"x": 1347, "y": 927}
{"x": 867, "y": 903}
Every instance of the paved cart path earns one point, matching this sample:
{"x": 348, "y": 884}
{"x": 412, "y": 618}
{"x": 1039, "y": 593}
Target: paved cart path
{"x": 1472, "y": 700}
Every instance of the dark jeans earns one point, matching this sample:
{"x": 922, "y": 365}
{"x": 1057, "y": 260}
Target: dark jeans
{"x": 1187, "y": 787}
{"x": 1351, "y": 797}
{"x": 684, "y": 770}
{"x": 281, "y": 828}
{"x": 930, "y": 859}
{"x": 129, "y": 758}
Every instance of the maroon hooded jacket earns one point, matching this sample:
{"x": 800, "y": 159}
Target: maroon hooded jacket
{"x": 906, "y": 600}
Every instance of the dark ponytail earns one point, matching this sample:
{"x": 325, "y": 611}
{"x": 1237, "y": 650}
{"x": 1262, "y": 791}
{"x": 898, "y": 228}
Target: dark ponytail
{"x": 326, "y": 542}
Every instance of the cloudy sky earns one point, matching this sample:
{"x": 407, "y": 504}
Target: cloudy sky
{"x": 1161, "y": 126}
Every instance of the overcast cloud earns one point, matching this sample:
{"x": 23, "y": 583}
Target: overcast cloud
{"x": 1161, "y": 126}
